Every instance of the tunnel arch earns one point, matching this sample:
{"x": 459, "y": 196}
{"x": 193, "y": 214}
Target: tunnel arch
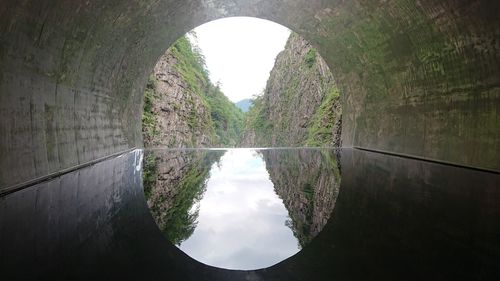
{"x": 72, "y": 75}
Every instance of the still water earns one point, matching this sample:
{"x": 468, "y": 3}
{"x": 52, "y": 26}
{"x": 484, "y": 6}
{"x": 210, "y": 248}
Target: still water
{"x": 241, "y": 208}
{"x": 394, "y": 218}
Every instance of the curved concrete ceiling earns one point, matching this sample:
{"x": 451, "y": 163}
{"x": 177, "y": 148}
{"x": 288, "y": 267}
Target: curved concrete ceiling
{"x": 419, "y": 78}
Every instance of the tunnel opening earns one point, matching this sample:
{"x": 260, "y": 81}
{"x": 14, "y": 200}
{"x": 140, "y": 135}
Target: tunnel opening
{"x": 420, "y": 135}
{"x": 191, "y": 98}
{"x": 59, "y": 112}
{"x": 204, "y": 201}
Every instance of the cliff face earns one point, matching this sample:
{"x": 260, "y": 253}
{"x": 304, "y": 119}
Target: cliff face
{"x": 181, "y": 119}
{"x": 300, "y": 104}
{"x": 308, "y": 182}
{"x": 182, "y": 108}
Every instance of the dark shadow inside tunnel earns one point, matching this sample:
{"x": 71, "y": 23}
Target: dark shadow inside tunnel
{"x": 420, "y": 138}
{"x": 94, "y": 224}
{"x": 73, "y": 76}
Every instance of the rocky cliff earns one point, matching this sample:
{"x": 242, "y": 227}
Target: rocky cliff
{"x": 308, "y": 182}
{"x": 182, "y": 108}
{"x": 300, "y": 104}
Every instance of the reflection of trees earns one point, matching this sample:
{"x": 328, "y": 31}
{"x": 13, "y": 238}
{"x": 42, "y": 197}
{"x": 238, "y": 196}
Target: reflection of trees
{"x": 174, "y": 181}
{"x": 308, "y": 181}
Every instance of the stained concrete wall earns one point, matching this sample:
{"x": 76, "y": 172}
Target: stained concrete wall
{"x": 418, "y": 77}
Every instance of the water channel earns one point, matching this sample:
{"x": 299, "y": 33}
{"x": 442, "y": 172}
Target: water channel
{"x": 268, "y": 214}
{"x": 241, "y": 208}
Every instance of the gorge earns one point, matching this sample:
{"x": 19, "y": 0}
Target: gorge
{"x": 85, "y": 195}
{"x": 241, "y": 208}
{"x": 300, "y": 105}
{"x": 183, "y": 108}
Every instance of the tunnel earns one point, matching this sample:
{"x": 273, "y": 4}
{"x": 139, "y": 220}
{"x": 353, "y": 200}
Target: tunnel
{"x": 420, "y": 80}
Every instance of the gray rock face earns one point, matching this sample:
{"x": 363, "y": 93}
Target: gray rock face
{"x": 181, "y": 117}
{"x": 299, "y": 99}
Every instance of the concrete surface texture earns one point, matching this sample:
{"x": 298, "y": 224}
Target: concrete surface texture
{"x": 417, "y": 77}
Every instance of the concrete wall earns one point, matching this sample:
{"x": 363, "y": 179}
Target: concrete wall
{"x": 418, "y": 77}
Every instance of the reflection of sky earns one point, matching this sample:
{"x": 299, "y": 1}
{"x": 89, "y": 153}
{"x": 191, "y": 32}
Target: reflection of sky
{"x": 241, "y": 224}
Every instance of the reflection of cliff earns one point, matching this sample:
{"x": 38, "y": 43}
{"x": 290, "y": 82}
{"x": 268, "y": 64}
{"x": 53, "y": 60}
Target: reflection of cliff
{"x": 173, "y": 182}
{"x": 308, "y": 182}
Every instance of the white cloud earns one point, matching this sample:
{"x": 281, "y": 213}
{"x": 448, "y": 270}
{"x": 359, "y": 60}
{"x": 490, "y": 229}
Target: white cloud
{"x": 240, "y": 53}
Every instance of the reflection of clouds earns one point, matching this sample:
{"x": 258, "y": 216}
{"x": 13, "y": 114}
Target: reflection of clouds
{"x": 241, "y": 223}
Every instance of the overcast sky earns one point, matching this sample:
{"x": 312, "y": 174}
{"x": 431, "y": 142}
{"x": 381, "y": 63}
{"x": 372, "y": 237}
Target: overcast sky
{"x": 240, "y": 53}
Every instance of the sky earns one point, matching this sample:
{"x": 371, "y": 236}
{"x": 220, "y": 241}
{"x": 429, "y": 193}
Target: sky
{"x": 240, "y": 53}
{"x": 241, "y": 222}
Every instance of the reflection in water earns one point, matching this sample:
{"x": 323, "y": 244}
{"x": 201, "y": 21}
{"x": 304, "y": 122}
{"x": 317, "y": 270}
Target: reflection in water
{"x": 173, "y": 182}
{"x": 241, "y": 224}
{"x": 394, "y": 219}
{"x": 241, "y": 208}
{"x": 308, "y": 181}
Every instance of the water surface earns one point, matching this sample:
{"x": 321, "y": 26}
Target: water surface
{"x": 394, "y": 218}
{"x": 241, "y": 208}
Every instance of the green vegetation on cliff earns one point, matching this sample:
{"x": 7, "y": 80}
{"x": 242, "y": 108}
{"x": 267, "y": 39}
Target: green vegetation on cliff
{"x": 300, "y": 105}
{"x": 210, "y": 115}
{"x": 322, "y": 128}
{"x": 257, "y": 122}
{"x": 149, "y": 121}
{"x": 310, "y": 57}
{"x": 227, "y": 118}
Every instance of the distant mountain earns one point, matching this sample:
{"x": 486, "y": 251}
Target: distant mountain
{"x": 244, "y": 105}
